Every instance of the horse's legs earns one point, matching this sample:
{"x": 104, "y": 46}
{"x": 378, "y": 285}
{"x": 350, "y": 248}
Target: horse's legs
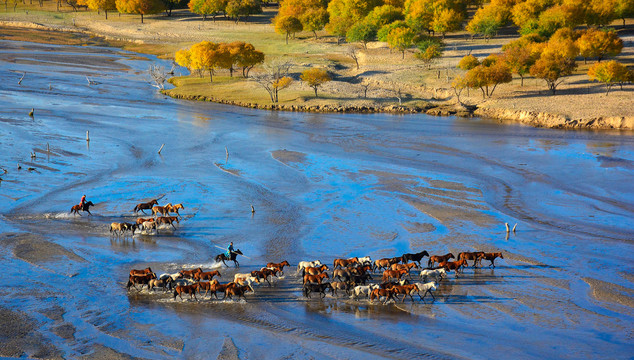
{"x": 88, "y": 211}
{"x": 236, "y": 263}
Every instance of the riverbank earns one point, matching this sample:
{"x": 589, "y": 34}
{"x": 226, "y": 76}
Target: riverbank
{"x": 382, "y": 83}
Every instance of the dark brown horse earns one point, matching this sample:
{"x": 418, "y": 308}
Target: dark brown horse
{"x": 133, "y": 280}
{"x": 454, "y": 265}
{"x": 167, "y": 220}
{"x": 439, "y": 258}
{"x": 396, "y": 274}
{"x": 405, "y": 290}
{"x": 320, "y": 288}
{"x": 218, "y": 287}
{"x": 263, "y": 273}
{"x": 145, "y": 206}
{"x": 77, "y": 208}
{"x": 278, "y": 266}
{"x": 238, "y": 291}
{"x": 379, "y": 293}
{"x": 186, "y": 289}
{"x": 417, "y": 257}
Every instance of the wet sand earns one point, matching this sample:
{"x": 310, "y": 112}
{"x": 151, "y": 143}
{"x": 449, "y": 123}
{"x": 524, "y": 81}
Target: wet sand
{"x": 323, "y": 186}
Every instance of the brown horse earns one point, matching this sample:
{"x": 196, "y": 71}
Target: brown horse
{"x": 117, "y": 228}
{"x": 384, "y": 263}
{"x": 361, "y": 270}
{"x": 145, "y": 206}
{"x": 396, "y": 274}
{"x": 454, "y": 265}
{"x": 379, "y": 293}
{"x": 491, "y": 257}
{"x": 278, "y": 265}
{"x": 140, "y": 279}
{"x": 174, "y": 208}
{"x": 340, "y": 285}
{"x": 315, "y": 279}
{"x": 190, "y": 273}
{"x": 341, "y": 273}
{"x": 407, "y": 267}
{"x": 77, "y": 208}
{"x": 439, "y": 258}
{"x": 140, "y": 221}
{"x": 405, "y": 290}
{"x": 160, "y": 210}
{"x": 186, "y": 289}
{"x": 475, "y": 256}
{"x": 161, "y": 283}
{"x": 345, "y": 262}
{"x": 145, "y": 271}
{"x": 237, "y": 290}
{"x": 314, "y": 270}
{"x": 263, "y": 273}
{"x": 218, "y": 287}
{"x": 206, "y": 275}
{"x": 167, "y": 220}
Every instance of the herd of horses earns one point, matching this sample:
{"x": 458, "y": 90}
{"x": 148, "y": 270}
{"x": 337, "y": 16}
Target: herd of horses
{"x": 149, "y": 224}
{"x": 353, "y": 276}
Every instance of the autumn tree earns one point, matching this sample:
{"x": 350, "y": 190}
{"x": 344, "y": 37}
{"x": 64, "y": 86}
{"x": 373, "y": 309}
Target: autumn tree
{"x": 383, "y": 15}
{"x": 247, "y": 57}
{"x": 345, "y": 13}
{"x": 599, "y": 44}
{"x": 488, "y": 20}
{"x": 142, "y": 7}
{"x": 488, "y": 75}
{"x": 207, "y": 7}
{"x": 238, "y": 8}
{"x": 315, "y": 78}
{"x": 105, "y": 5}
{"x": 183, "y": 58}
{"x": 274, "y": 78}
{"x": 624, "y": 9}
{"x": 519, "y": 56}
{"x": 468, "y": 62}
{"x": 400, "y": 39}
{"x": 314, "y": 19}
{"x": 446, "y": 20}
{"x": 529, "y": 10}
{"x": 311, "y": 13}
{"x": 552, "y": 66}
{"x": 419, "y": 14}
{"x": 610, "y": 73}
{"x": 362, "y": 32}
{"x": 287, "y": 25}
{"x": 204, "y": 57}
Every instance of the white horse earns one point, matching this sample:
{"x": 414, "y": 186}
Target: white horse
{"x": 365, "y": 260}
{"x": 305, "y": 264}
{"x": 363, "y": 289}
{"x": 426, "y": 288}
{"x": 245, "y": 279}
{"x": 435, "y": 274}
{"x": 148, "y": 226}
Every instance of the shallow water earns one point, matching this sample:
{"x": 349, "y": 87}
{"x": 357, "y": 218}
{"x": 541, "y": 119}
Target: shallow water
{"x": 323, "y": 186}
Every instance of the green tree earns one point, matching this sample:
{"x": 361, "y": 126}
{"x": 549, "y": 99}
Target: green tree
{"x": 207, "y": 7}
{"x": 419, "y": 14}
{"x": 105, "y": 5}
{"x": 287, "y": 25}
{"x": 624, "y": 9}
{"x": 488, "y": 20}
{"x": 362, "y": 32}
{"x": 141, "y": 7}
{"x": 383, "y": 15}
{"x": 400, "y": 39}
{"x": 610, "y": 73}
{"x": 429, "y": 48}
{"x": 172, "y": 4}
{"x": 238, "y": 8}
{"x": 599, "y": 44}
{"x": 314, "y": 19}
{"x": 315, "y": 78}
{"x": 385, "y": 29}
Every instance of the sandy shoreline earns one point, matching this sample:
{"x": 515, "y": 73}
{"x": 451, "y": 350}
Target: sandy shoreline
{"x": 546, "y": 111}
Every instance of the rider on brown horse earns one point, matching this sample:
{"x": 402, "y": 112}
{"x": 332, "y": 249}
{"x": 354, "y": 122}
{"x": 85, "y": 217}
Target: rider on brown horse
{"x": 82, "y": 202}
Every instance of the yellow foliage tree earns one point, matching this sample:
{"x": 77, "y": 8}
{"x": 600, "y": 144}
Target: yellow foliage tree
{"x": 400, "y": 39}
{"x": 105, "y": 5}
{"x": 610, "y": 73}
{"x": 597, "y": 43}
{"x": 141, "y": 7}
{"x": 315, "y": 78}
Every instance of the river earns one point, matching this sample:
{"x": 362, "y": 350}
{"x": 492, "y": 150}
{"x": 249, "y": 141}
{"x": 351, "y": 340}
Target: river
{"x": 323, "y": 186}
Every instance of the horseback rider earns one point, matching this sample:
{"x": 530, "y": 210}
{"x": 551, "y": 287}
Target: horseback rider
{"x": 229, "y": 249}
{"x": 82, "y": 202}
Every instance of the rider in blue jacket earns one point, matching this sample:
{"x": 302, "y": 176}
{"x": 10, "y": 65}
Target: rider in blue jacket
{"x": 229, "y": 249}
